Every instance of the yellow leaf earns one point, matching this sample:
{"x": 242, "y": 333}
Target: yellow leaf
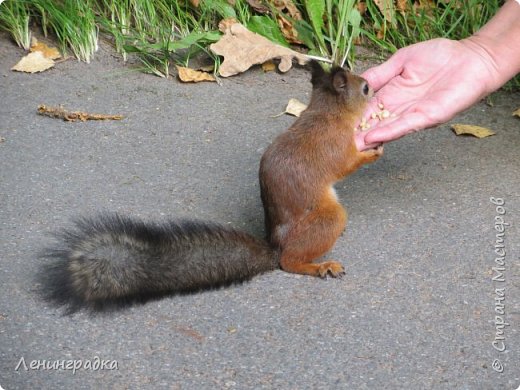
{"x": 476, "y": 131}
{"x": 33, "y": 62}
{"x": 242, "y": 49}
{"x": 188, "y": 75}
{"x": 517, "y": 112}
{"x": 294, "y": 107}
{"x": 268, "y": 66}
{"x": 48, "y": 52}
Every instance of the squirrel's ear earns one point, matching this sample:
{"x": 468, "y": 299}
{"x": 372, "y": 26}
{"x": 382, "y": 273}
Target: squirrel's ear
{"x": 318, "y": 73}
{"x": 339, "y": 79}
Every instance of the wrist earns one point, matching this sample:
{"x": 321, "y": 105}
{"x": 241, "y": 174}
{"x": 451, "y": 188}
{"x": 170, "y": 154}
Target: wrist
{"x": 491, "y": 77}
{"x": 497, "y": 44}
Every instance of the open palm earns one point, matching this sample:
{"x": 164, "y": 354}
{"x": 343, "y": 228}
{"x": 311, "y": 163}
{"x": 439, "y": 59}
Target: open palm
{"x": 425, "y": 84}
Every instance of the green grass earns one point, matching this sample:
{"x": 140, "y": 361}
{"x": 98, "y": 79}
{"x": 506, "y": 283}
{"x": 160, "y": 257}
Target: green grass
{"x": 330, "y": 28}
{"x": 455, "y": 19}
{"x": 166, "y": 32}
{"x": 14, "y": 18}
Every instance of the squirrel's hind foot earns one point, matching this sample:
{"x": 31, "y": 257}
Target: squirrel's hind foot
{"x": 328, "y": 268}
{"x": 332, "y": 268}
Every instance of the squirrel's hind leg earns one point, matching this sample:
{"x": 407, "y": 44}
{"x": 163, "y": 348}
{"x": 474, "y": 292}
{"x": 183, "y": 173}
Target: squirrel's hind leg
{"x": 312, "y": 237}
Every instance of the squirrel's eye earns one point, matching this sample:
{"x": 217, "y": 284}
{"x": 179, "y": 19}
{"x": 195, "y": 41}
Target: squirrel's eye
{"x": 365, "y": 89}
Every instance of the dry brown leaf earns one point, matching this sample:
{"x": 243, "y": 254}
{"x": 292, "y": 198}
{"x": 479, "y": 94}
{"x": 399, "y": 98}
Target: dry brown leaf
{"x": 242, "y": 49}
{"x": 33, "y": 62}
{"x": 189, "y": 75}
{"x": 402, "y": 5}
{"x": 387, "y": 8}
{"x": 426, "y": 4}
{"x": 73, "y": 116}
{"x": 381, "y": 32}
{"x": 258, "y": 6}
{"x": 288, "y": 13}
{"x": 288, "y": 30}
{"x": 268, "y": 66}
{"x": 476, "y": 131}
{"x": 224, "y": 24}
{"x": 362, "y": 7}
{"x": 48, "y": 52}
{"x": 292, "y": 10}
{"x": 517, "y": 112}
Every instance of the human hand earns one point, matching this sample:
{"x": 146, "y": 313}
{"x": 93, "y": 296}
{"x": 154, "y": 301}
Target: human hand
{"x": 424, "y": 85}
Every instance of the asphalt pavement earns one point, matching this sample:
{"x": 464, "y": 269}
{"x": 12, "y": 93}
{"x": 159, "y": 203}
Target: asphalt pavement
{"x": 431, "y": 295}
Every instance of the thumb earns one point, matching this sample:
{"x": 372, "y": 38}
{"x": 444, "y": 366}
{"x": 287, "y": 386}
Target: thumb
{"x": 380, "y": 75}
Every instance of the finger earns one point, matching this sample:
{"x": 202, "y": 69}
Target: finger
{"x": 380, "y": 75}
{"x": 360, "y": 142}
{"x": 401, "y": 126}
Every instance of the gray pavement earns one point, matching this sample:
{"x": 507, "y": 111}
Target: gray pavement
{"x": 417, "y": 309}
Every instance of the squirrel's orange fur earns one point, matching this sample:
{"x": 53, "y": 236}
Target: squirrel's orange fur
{"x": 297, "y": 172}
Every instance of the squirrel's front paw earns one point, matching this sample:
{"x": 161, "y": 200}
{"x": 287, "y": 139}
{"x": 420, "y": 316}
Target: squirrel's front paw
{"x": 371, "y": 155}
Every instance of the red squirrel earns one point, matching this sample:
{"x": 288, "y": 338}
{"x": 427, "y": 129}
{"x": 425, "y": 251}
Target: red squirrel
{"x": 303, "y": 217}
{"x": 111, "y": 259}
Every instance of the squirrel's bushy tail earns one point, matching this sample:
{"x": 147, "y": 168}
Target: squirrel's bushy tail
{"x": 112, "y": 259}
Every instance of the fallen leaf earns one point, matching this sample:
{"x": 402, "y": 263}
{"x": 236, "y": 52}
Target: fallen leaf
{"x": 242, "y": 49}
{"x": 33, "y": 62}
{"x": 288, "y": 30}
{"x": 517, "y": 113}
{"x": 424, "y": 6}
{"x": 73, "y": 116}
{"x": 232, "y": 330}
{"x": 381, "y": 32}
{"x": 287, "y": 5}
{"x": 207, "y": 68}
{"x": 402, "y": 5}
{"x": 258, "y": 6}
{"x": 362, "y": 7}
{"x": 48, "y": 52}
{"x": 387, "y": 8}
{"x": 224, "y": 24}
{"x": 268, "y": 66}
{"x": 294, "y": 107}
{"x": 477, "y": 131}
{"x": 189, "y": 75}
